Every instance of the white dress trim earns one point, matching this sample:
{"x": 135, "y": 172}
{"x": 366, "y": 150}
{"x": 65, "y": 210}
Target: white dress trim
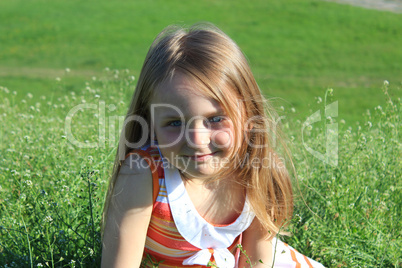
{"x": 196, "y": 230}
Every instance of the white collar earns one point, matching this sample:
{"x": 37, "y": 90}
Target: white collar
{"x": 194, "y": 228}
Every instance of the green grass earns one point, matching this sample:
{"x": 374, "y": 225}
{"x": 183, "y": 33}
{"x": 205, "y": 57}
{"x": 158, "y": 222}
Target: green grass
{"x": 52, "y": 191}
{"x": 349, "y": 215}
{"x": 297, "y": 49}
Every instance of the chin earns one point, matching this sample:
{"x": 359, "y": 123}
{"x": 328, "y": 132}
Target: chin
{"x": 199, "y": 173}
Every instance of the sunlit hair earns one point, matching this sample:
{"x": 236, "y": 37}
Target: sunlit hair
{"x": 218, "y": 67}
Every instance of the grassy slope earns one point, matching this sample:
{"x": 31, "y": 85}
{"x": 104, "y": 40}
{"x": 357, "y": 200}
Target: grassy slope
{"x": 296, "y": 50}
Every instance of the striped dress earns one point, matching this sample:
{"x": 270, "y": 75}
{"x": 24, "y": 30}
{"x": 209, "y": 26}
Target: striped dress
{"x": 179, "y": 237}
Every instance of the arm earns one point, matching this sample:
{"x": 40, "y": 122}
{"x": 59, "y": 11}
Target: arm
{"x": 256, "y": 247}
{"x": 128, "y": 218}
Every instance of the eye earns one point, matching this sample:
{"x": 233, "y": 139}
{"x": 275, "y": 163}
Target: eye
{"x": 216, "y": 119}
{"x": 175, "y": 123}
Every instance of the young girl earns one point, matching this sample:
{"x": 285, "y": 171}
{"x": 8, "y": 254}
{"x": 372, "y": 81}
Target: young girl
{"x": 197, "y": 181}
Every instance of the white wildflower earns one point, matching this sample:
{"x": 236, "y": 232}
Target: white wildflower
{"x": 298, "y": 218}
{"x": 48, "y": 219}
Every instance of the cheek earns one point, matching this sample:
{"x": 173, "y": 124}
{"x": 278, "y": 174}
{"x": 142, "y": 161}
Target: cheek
{"x": 223, "y": 139}
{"x": 165, "y": 137}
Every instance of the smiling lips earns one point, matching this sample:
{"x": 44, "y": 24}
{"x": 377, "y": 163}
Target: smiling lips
{"x": 201, "y": 157}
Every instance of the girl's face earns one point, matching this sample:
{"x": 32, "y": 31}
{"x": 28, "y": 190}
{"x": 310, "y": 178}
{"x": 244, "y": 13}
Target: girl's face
{"x": 192, "y": 130}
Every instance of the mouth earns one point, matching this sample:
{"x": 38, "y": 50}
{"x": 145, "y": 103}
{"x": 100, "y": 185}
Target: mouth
{"x": 201, "y": 157}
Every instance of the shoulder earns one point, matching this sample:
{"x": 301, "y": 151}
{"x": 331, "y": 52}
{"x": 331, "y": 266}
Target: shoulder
{"x": 135, "y": 163}
{"x": 133, "y": 187}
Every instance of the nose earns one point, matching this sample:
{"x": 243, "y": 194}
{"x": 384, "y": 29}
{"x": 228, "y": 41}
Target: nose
{"x": 198, "y": 136}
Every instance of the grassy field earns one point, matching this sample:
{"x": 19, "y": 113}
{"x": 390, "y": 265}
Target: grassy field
{"x": 51, "y": 191}
{"x": 297, "y": 50}
{"x": 348, "y": 214}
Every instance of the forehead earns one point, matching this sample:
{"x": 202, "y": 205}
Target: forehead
{"x": 182, "y": 92}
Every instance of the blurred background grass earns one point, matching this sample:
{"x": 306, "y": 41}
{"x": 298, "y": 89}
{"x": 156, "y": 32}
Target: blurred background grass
{"x": 297, "y": 48}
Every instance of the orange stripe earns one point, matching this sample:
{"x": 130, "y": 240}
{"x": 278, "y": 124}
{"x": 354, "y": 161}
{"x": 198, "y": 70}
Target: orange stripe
{"x": 164, "y": 237}
{"x": 308, "y": 262}
{"x": 174, "y": 263}
{"x": 293, "y": 254}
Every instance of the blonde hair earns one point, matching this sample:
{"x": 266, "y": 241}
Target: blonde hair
{"x": 216, "y": 63}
